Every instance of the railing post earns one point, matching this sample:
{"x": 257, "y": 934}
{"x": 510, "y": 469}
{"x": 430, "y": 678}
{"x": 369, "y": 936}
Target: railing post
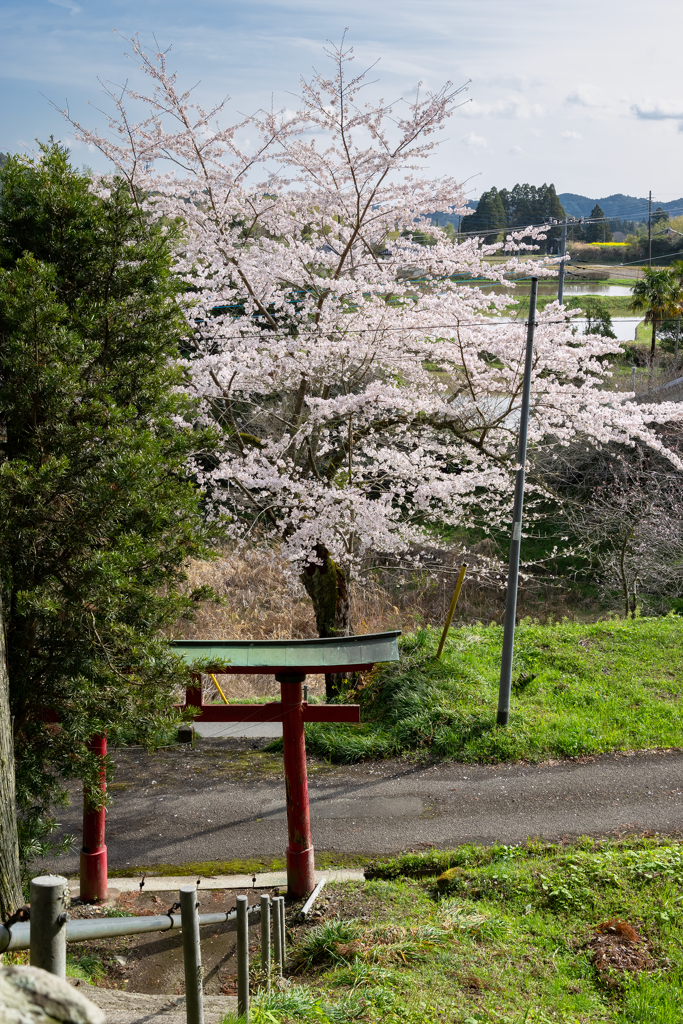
{"x": 93, "y": 872}
{"x": 277, "y": 944}
{"x": 243, "y": 957}
{"x": 49, "y": 896}
{"x": 192, "y": 955}
{"x": 265, "y": 937}
{"x": 283, "y": 933}
{"x": 279, "y": 936}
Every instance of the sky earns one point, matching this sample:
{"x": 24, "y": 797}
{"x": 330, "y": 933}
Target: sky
{"x": 586, "y": 95}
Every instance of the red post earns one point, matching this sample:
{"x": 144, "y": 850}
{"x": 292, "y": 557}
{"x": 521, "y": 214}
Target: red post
{"x": 300, "y": 857}
{"x": 94, "y": 852}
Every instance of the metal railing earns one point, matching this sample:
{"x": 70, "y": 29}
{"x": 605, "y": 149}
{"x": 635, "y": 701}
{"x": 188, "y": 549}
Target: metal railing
{"x": 50, "y": 928}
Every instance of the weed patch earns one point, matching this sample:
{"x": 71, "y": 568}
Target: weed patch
{"x": 579, "y": 689}
{"x": 497, "y": 945}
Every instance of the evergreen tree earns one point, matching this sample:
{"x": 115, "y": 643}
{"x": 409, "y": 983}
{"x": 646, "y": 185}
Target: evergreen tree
{"x": 531, "y": 205}
{"x": 97, "y": 517}
{"x": 598, "y": 231}
{"x": 489, "y": 218}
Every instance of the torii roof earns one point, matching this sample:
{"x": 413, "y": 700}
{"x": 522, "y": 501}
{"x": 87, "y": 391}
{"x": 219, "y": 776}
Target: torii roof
{"x": 332, "y": 654}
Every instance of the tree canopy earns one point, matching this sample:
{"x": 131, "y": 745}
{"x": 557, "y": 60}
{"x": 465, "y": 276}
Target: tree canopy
{"x": 489, "y": 218}
{"x": 516, "y": 209}
{"x": 599, "y": 231}
{"x": 97, "y": 514}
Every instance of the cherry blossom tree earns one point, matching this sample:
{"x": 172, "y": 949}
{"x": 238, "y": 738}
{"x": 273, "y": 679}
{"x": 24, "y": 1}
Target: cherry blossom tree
{"x": 367, "y": 388}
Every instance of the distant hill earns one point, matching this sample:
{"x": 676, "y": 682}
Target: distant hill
{"x": 442, "y": 219}
{"x": 618, "y": 205}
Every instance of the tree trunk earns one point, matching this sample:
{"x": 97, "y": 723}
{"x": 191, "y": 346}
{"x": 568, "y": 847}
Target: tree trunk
{"x": 325, "y": 584}
{"x": 652, "y": 346}
{"x": 10, "y": 877}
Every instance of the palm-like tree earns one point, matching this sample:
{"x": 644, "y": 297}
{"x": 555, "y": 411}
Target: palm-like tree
{"x": 659, "y": 295}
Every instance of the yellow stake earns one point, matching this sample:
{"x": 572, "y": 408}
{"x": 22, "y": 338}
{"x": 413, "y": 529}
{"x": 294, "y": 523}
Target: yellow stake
{"x": 451, "y": 610}
{"x": 225, "y": 699}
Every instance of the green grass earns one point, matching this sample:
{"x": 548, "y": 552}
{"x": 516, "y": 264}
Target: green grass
{"x": 247, "y": 866}
{"x": 506, "y": 942}
{"x": 577, "y": 689}
{"x": 644, "y": 333}
{"x": 88, "y": 967}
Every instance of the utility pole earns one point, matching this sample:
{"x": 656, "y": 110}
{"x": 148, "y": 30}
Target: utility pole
{"x": 563, "y": 250}
{"x": 516, "y": 539}
{"x": 649, "y": 229}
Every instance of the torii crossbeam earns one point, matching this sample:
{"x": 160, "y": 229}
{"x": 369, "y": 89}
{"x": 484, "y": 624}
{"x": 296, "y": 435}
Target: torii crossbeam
{"x": 290, "y": 661}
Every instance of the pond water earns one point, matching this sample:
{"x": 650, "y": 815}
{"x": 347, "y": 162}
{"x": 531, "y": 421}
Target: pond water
{"x": 596, "y": 289}
{"x": 550, "y": 288}
{"x": 625, "y": 327}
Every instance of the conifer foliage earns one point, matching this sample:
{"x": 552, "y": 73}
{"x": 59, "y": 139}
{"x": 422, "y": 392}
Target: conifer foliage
{"x": 97, "y": 515}
{"x": 512, "y": 210}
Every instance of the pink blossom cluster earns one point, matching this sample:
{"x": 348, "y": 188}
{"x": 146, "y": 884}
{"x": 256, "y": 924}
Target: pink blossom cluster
{"x": 366, "y": 386}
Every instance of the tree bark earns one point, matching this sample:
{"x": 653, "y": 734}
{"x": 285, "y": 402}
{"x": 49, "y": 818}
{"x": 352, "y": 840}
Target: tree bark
{"x": 10, "y": 876}
{"x": 325, "y": 584}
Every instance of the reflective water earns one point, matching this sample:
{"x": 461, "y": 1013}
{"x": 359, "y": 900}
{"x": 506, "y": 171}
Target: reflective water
{"x": 597, "y": 289}
{"x": 625, "y": 327}
{"x": 570, "y": 288}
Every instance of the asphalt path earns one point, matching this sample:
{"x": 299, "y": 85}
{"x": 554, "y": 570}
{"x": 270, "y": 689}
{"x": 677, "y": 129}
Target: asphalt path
{"x": 381, "y": 808}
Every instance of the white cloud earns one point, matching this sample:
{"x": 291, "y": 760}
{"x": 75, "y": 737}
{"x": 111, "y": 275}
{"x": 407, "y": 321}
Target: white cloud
{"x": 475, "y": 141}
{"x": 513, "y": 108}
{"x": 570, "y": 135}
{"x": 658, "y": 111}
{"x": 71, "y": 7}
{"x": 581, "y": 97}
{"x": 516, "y": 151}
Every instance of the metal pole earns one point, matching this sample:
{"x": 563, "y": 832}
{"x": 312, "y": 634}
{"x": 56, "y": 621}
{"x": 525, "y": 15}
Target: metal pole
{"x": 243, "y": 957}
{"x": 649, "y": 229}
{"x": 300, "y": 856}
{"x": 283, "y": 933}
{"x": 451, "y": 610}
{"x": 49, "y": 899}
{"x": 93, "y": 868}
{"x": 516, "y": 539}
{"x": 563, "y": 247}
{"x": 277, "y": 945}
{"x": 18, "y": 936}
{"x": 265, "y": 937}
{"x": 192, "y": 955}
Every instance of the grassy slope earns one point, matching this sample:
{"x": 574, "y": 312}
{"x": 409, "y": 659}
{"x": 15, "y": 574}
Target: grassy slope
{"x": 505, "y": 943}
{"x": 577, "y": 689}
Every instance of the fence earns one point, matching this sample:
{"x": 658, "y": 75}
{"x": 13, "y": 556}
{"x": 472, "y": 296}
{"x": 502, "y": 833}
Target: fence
{"x": 50, "y": 928}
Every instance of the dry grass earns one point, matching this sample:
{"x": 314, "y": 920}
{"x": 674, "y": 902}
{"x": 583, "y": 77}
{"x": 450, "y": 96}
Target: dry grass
{"x": 261, "y": 600}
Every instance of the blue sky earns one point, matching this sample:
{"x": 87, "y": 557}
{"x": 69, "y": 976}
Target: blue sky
{"x": 588, "y": 95}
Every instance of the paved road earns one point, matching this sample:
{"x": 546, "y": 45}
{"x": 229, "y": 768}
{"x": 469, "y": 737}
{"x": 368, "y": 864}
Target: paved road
{"x": 380, "y": 808}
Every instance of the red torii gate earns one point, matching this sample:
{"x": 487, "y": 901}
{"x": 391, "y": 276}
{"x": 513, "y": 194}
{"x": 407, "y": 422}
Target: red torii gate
{"x": 290, "y": 661}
